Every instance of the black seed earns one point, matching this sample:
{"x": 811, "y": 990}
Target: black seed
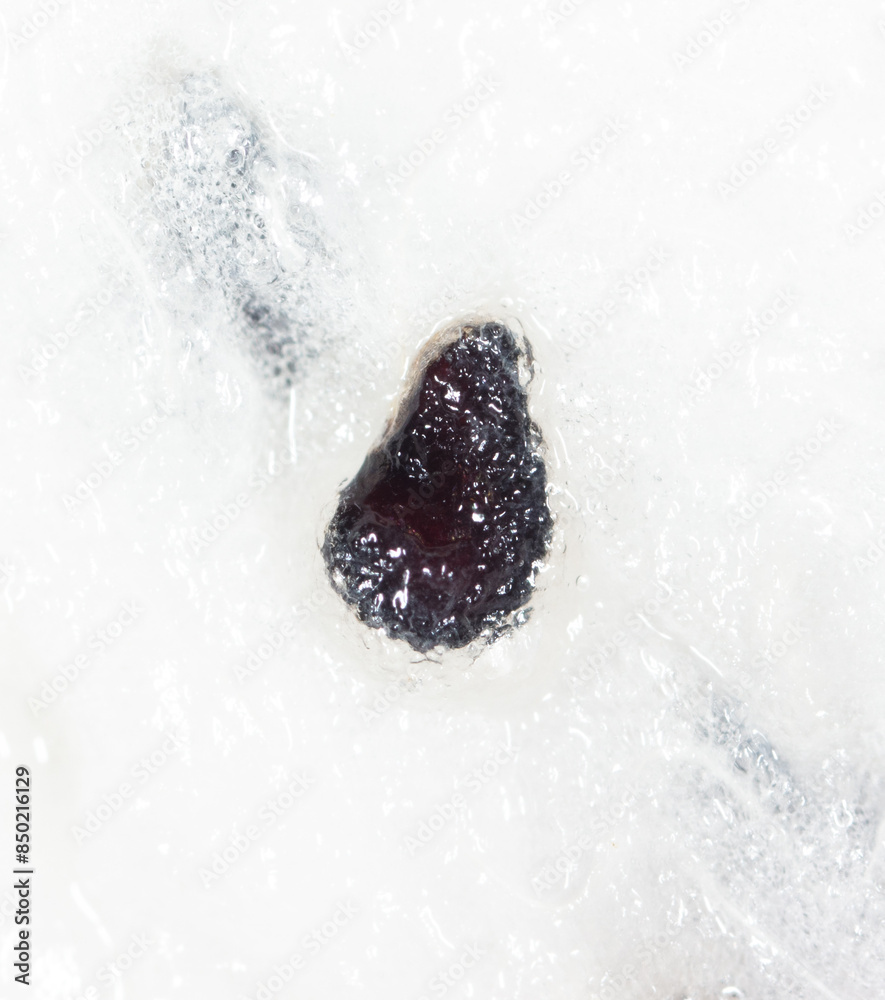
{"x": 437, "y": 537}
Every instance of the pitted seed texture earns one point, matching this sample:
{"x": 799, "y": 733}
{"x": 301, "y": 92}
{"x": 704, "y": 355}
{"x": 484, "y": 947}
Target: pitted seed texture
{"x": 437, "y": 538}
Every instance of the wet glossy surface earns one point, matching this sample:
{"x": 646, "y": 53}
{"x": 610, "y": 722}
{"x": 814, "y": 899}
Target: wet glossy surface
{"x": 436, "y": 538}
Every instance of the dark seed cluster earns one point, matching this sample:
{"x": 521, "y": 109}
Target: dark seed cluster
{"x": 437, "y": 537}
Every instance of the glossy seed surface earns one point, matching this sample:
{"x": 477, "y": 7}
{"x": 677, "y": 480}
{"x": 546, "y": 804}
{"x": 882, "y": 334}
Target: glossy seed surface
{"x": 437, "y": 537}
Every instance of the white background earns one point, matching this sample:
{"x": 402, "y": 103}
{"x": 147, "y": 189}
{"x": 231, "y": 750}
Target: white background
{"x": 696, "y": 701}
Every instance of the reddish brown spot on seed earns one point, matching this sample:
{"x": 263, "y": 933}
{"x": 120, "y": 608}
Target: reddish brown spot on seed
{"x": 437, "y": 538}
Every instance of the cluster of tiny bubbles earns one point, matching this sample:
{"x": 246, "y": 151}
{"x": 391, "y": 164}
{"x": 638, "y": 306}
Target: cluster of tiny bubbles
{"x": 230, "y": 223}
